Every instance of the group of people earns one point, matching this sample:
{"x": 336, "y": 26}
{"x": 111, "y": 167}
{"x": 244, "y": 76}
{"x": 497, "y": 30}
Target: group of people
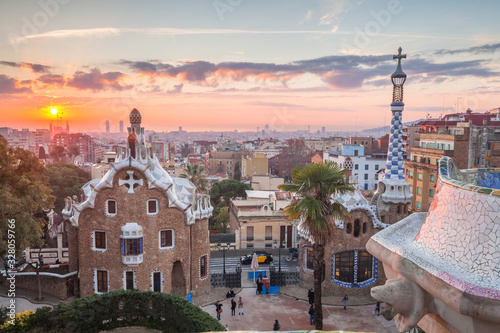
{"x": 262, "y": 281}
{"x": 230, "y": 295}
{"x": 310, "y": 295}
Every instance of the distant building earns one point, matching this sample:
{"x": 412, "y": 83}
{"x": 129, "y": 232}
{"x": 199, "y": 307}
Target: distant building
{"x": 363, "y": 169}
{"x": 98, "y": 170}
{"x": 161, "y": 150}
{"x": 223, "y": 161}
{"x": 259, "y": 220}
{"x": 365, "y": 141}
{"x": 107, "y": 126}
{"x": 121, "y": 126}
{"x": 283, "y": 164}
{"x": 266, "y": 183}
{"x": 257, "y": 164}
{"x": 469, "y": 145}
{"x": 324, "y": 144}
{"x": 83, "y": 141}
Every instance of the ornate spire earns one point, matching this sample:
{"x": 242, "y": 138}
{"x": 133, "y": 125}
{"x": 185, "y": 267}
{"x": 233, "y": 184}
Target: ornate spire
{"x": 135, "y": 117}
{"x": 398, "y": 78}
{"x": 395, "y": 165}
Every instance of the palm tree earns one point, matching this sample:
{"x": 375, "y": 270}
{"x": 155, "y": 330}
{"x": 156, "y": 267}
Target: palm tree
{"x": 196, "y": 175}
{"x": 317, "y": 184}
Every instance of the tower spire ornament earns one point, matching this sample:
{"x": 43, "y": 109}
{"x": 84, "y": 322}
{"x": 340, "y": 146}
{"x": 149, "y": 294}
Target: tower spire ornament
{"x": 398, "y": 78}
{"x": 393, "y": 190}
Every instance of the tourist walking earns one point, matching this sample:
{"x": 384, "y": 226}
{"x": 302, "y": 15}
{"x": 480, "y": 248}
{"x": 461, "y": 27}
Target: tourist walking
{"x": 240, "y": 307}
{"x": 218, "y": 309}
{"x": 310, "y": 295}
{"x": 377, "y": 308}
{"x": 344, "y": 302}
{"x": 311, "y": 315}
{"x": 276, "y": 326}
{"x": 233, "y": 307}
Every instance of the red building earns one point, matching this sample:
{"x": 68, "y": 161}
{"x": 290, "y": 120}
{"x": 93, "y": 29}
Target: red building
{"x": 83, "y": 141}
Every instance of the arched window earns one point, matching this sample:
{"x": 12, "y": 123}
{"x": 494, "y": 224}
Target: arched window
{"x": 354, "y": 268}
{"x": 364, "y": 228}
{"x": 357, "y": 227}
{"x": 398, "y": 209}
{"x": 348, "y": 228}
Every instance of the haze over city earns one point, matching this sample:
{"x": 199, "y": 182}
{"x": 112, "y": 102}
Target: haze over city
{"x": 224, "y": 65}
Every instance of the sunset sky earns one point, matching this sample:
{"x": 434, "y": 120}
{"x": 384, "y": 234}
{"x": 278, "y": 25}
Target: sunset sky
{"x": 242, "y": 64}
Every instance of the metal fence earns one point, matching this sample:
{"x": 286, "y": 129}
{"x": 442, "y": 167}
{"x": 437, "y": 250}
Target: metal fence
{"x": 222, "y": 238}
{"x": 283, "y": 278}
{"x": 230, "y": 279}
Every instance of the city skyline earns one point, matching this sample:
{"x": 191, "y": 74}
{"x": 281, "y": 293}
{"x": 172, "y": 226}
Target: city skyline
{"x": 226, "y": 65}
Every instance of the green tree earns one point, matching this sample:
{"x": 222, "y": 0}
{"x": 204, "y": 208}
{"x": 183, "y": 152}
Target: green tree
{"x": 317, "y": 184}
{"x": 23, "y": 197}
{"x": 196, "y": 175}
{"x": 41, "y": 153}
{"x": 74, "y": 151}
{"x": 221, "y": 194}
{"x": 226, "y": 190}
{"x": 237, "y": 171}
{"x": 221, "y": 221}
{"x": 65, "y": 180}
{"x": 57, "y": 153}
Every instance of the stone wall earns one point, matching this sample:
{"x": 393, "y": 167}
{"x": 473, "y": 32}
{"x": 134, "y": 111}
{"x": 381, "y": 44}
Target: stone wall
{"x": 59, "y": 287}
{"x": 341, "y": 241}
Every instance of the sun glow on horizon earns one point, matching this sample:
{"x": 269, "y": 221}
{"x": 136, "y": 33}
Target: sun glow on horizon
{"x": 53, "y": 111}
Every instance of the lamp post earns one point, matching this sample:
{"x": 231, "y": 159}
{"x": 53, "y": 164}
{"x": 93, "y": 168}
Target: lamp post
{"x": 279, "y": 254}
{"x": 224, "y": 258}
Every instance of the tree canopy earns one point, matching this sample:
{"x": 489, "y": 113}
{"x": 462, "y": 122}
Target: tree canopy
{"x": 196, "y": 175}
{"x": 23, "y": 197}
{"x": 221, "y": 221}
{"x": 237, "y": 171}
{"x": 65, "y": 180}
{"x": 226, "y": 190}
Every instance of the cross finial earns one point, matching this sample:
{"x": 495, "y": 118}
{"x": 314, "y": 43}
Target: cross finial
{"x": 399, "y": 56}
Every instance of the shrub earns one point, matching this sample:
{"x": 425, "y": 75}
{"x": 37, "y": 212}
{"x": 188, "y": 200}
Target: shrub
{"x": 95, "y": 313}
{"x": 23, "y": 322}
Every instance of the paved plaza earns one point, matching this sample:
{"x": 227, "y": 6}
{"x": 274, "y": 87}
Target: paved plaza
{"x": 260, "y": 312}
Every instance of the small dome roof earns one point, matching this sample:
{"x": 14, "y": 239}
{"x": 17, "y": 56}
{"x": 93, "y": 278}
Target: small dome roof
{"x": 135, "y": 117}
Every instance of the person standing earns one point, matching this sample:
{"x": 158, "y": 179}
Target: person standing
{"x": 276, "y": 326}
{"x": 310, "y": 295}
{"x": 345, "y": 300}
{"x": 259, "y": 285}
{"x": 377, "y": 308}
{"x": 218, "y": 309}
{"x": 233, "y": 307}
{"x": 311, "y": 315}
{"x": 240, "y": 307}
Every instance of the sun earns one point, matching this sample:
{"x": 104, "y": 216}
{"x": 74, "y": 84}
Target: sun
{"x": 53, "y": 111}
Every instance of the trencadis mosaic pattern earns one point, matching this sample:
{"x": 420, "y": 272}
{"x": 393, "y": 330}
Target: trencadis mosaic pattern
{"x": 459, "y": 239}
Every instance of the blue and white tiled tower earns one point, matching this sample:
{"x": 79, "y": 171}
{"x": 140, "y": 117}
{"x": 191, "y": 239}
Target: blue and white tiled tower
{"x": 395, "y": 165}
{"x": 393, "y": 193}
